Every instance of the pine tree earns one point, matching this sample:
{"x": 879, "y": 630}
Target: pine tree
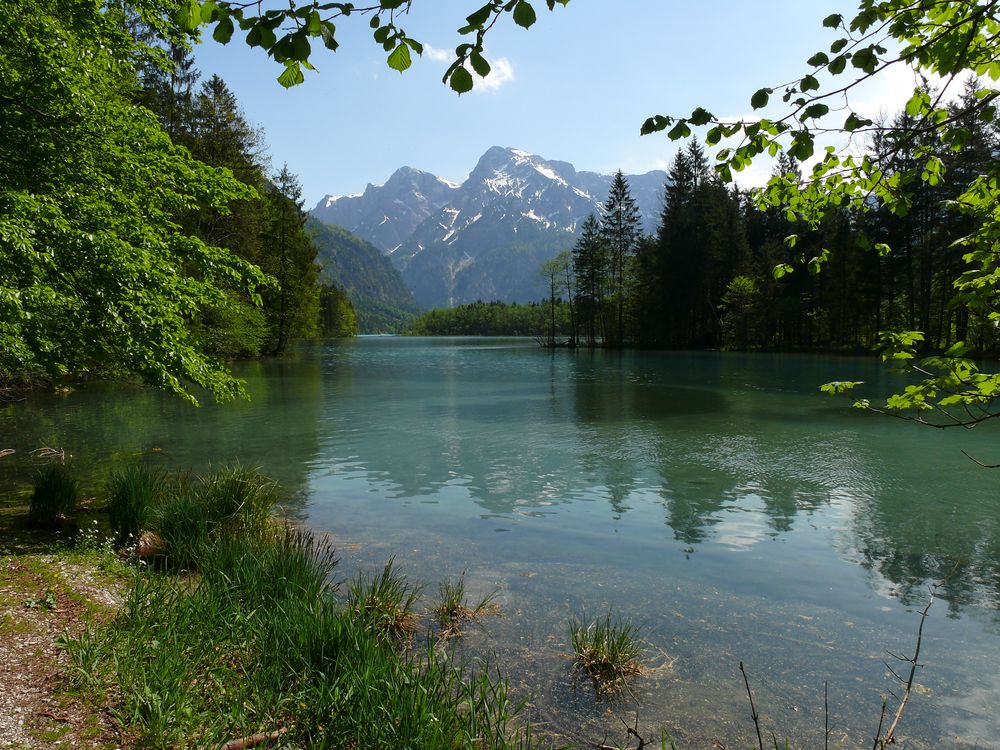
{"x": 621, "y": 231}
{"x": 589, "y": 268}
{"x": 168, "y": 90}
{"x": 290, "y": 257}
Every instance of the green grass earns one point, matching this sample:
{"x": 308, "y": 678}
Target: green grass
{"x": 607, "y": 650}
{"x": 183, "y": 528}
{"x": 257, "y": 641}
{"x": 384, "y": 603}
{"x": 452, "y": 608}
{"x": 132, "y": 495}
{"x": 230, "y": 503}
{"x": 238, "y": 501}
{"x": 54, "y": 496}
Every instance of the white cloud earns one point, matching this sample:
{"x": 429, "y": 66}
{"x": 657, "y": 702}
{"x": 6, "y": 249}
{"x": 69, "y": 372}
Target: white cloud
{"x": 501, "y": 69}
{"x": 502, "y": 72}
{"x": 436, "y": 54}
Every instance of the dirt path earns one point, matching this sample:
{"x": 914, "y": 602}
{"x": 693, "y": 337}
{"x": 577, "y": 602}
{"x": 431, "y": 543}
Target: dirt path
{"x": 43, "y": 597}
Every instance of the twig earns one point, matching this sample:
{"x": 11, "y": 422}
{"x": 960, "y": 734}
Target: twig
{"x": 753, "y": 711}
{"x": 253, "y": 740}
{"x": 890, "y": 733}
{"x": 7, "y": 452}
{"x": 977, "y": 461}
{"x": 54, "y": 717}
{"x": 826, "y": 715}
{"x": 878, "y": 732}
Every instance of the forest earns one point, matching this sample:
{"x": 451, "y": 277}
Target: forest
{"x": 719, "y": 273}
{"x": 144, "y": 232}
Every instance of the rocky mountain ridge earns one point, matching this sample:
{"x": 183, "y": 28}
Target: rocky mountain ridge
{"x": 487, "y": 237}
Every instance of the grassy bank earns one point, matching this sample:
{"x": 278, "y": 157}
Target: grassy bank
{"x": 228, "y": 629}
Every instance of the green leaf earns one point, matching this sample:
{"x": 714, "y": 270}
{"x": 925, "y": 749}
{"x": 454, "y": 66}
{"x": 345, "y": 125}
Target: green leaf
{"x": 833, "y": 20}
{"x": 208, "y": 11}
{"x": 700, "y": 116}
{"x": 460, "y": 80}
{"x": 301, "y": 48}
{"x": 223, "y": 31}
{"x": 479, "y": 64}
{"x": 477, "y": 19}
{"x": 292, "y": 76}
{"x": 314, "y": 24}
{"x": 818, "y": 60}
{"x": 760, "y": 97}
{"x": 655, "y": 124}
{"x": 814, "y": 111}
{"x": 328, "y": 34}
{"x": 524, "y": 14}
{"x": 399, "y": 59}
{"x": 837, "y": 65}
{"x": 678, "y": 131}
{"x": 188, "y": 15}
{"x": 781, "y": 270}
{"x": 853, "y": 122}
{"x": 916, "y": 103}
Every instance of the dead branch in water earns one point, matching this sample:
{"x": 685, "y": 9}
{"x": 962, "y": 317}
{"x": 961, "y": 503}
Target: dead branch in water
{"x": 753, "y": 711}
{"x": 46, "y": 453}
{"x": 890, "y": 733}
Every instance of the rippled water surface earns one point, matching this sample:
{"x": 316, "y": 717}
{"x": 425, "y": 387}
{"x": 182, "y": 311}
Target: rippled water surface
{"x": 717, "y": 500}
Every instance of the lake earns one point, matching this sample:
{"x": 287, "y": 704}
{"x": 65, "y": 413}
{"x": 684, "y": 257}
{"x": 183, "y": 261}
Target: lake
{"x": 717, "y": 500}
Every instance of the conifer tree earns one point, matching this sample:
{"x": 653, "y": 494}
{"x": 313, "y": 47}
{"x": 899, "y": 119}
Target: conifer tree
{"x": 621, "y": 231}
{"x": 589, "y": 268}
{"x": 290, "y": 257}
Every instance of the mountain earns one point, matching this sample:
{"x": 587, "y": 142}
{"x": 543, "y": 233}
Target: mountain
{"x": 374, "y": 286}
{"x": 385, "y": 215}
{"x": 486, "y": 238}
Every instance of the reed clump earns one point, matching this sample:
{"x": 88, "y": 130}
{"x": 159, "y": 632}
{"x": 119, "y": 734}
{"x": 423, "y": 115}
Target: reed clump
{"x": 607, "y": 650}
{"x": 54, "y": 496}
{"x": 133, "y": 493}
{"x": 384, "y": 603}
{"x": 453, "y": 608}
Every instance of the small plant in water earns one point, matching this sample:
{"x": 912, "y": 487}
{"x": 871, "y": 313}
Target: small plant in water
{"x": 452, "y": 608}
{"x": 606, "y": 650}
{"x": 384, "y": 603}
{"x": 54, "y": 497}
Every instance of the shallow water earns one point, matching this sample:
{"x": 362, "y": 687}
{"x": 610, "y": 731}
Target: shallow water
{"x": 717, "y": 500}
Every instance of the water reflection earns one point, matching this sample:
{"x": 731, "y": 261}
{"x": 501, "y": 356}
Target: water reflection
{"x": 718, "y": 498}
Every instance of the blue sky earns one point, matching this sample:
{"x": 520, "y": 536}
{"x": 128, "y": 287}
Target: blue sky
{"x": 575, "y": 87}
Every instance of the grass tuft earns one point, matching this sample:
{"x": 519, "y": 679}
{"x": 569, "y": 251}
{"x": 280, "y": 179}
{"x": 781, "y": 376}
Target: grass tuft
{"x": 607, "y": 651}
{"x": 384, "y": 603}
{"x": 233, "y": 503}
{"x": 132, "y": 495}
{"x": 237, "y": 500}
{"x": 453, "y": 609}
{"x": 54, "y": 497}
{"x": 182, "y": 527}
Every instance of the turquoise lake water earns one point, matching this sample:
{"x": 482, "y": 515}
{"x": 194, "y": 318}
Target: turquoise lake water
{"x": 718, "y": 501}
